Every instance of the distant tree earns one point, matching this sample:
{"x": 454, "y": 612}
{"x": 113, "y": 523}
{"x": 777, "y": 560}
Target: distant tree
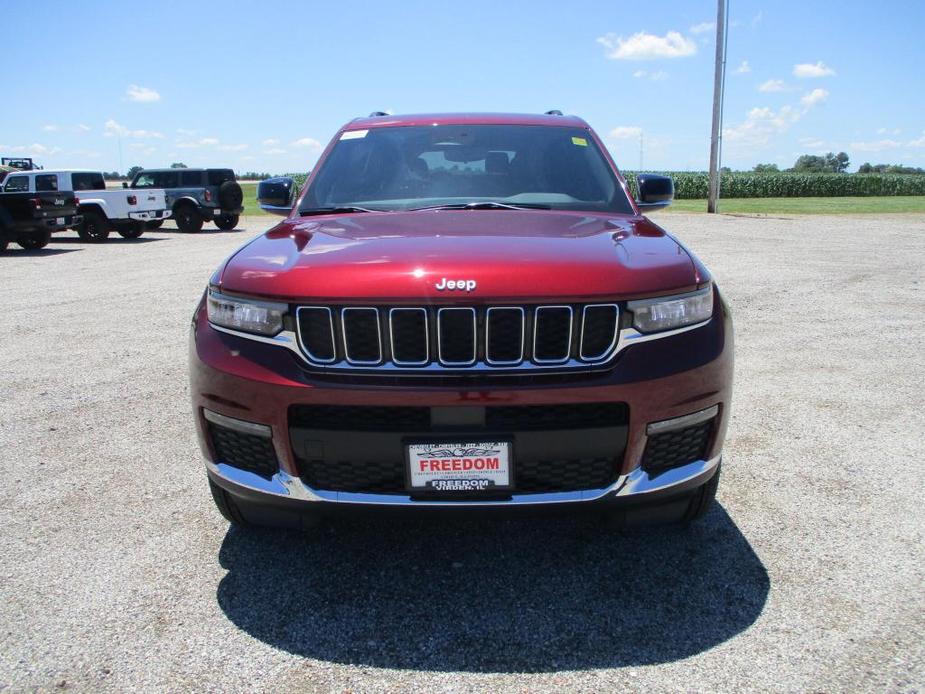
{"x": 765, "y": 168}
{"x": 178, "y": 165}
{"x": 725, "y": 169}
{"x": 867, "y": 168}
{"x": 132, "y": 171}
{"x": 828, "y": 163}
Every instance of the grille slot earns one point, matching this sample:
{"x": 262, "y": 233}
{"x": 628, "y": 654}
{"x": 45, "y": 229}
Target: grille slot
{"x": 316, "y": 330}
{"x": 678, "y": 447}
{"x": 599, "y": 324}
{"x": 408, "y": 335}
{"x": 456, "y": 336}
{"x": 552, "y": 334}
{"x": 504, "y": 335}
{"x": 362, "y": 340}
{"x": 245, "y": 451}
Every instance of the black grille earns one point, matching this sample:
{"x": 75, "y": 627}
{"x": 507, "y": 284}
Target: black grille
{"x": 553, "y": 333}
{"x": 565, "y": 475}
{"x": 409, "y": 336}
{"x": 360, "y": 417}
{"x": 382, "y": 477}
{"x": 362, "y": 341}
{"x": 598, "y": 330}
{"x": 549, "y": 417}
{"x": 678, "y": 447}
{"x": 455, "y": 339}
{"x": 504, "y": 335}
{"x": 317, "y": 333}
{"x": 457, "y": 335}
{"x": 244, "y": 451}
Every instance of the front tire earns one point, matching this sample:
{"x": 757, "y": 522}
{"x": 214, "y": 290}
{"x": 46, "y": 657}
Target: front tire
{"x": 132, "y": 231}
{"x": 34, "y": 242}
{"x": 227, "y": 222}
{"x": 94, "y": 228}
{"x": 188, "y": 219}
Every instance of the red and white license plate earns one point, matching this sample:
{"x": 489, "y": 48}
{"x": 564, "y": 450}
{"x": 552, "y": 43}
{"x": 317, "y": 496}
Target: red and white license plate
{"x": 464, "y": 466}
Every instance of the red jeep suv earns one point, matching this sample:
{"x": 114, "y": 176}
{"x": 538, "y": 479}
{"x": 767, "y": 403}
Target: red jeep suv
{"x": 463, "y": 312}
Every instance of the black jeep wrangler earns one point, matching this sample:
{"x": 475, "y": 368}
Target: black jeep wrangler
{"x": 196, "y": 196}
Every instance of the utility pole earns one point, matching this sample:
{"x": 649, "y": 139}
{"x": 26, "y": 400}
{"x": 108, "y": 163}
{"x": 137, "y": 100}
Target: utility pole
{"x": 719, "y": 78}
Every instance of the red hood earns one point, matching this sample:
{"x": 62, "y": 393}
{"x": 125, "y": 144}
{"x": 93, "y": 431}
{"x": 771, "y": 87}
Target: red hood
{"x": 510, "y": 254}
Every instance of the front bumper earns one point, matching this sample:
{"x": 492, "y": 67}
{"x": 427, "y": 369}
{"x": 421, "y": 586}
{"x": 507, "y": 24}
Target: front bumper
{"x": 659, "y": 380}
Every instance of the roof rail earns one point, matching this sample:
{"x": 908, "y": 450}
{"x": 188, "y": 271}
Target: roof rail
{"x": 553, "y": 112}
{"x": 376, "y": 114}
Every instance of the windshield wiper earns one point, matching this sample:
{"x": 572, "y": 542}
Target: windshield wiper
{"x": 340, "y": 209}
{"x": 485, "y": 205}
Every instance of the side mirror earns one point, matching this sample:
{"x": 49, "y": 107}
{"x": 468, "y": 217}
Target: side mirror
{"x": 655, "y": 192}
{"x": 276, "y": 195}
{"x": 125, "y": 184}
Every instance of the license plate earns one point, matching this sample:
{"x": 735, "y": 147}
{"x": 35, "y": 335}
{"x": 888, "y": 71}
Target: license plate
{"x": 59, "y": 220}
{"x": 462, "y": 466}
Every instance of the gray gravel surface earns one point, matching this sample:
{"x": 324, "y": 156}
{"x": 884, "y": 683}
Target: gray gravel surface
{"x": 117, "y": 573}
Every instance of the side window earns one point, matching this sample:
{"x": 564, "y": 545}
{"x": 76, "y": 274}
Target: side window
{"x": 144, "y": 180}
{"x": 219, "y": 176}
{"x": 16, "y": 184}
{"x": 46, "y": 183}
{"x": 190, "y": 179}
{"x": 88, "y": 181}
{"x": 166, "y": 179}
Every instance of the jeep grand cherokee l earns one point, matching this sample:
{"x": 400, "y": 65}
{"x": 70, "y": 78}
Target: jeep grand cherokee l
{"x": 462, "y": 312}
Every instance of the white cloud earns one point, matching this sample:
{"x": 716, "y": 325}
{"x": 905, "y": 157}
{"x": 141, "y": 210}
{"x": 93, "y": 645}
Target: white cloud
{"x": 875, "y": 146}
{"x": 656, "y": 76}
{"x": 625, "y": 132}
{"x": 918, "y": 142}
{"x": 275, "y": 150}
{"x": 83, "y": 128}
{"x": 142, "y": 95}
{"x": 195, "y": 144}
{"x": 185, "y": 132}
{"x": 307, "y": 142}
{"x": 743, "y": 68}
{"x": 756, "y": 20}
{"x": 703, "y": 27}
{"x": 816, "y": 96}
{"x": 50, "y": 128}
{"x": 762, "y": 124}
{"x": 34, "y": 149}
{"x": 773, "y": 86}
{"x": 809, "y": 70}
{"x": 113, "y": 129}
{"x": 643, "y": 46}
{"x": 270, "y": 142}
{"x": 812, "y": 143}
{"x": 232, "y": 148}
{"x": 888, "y": 131}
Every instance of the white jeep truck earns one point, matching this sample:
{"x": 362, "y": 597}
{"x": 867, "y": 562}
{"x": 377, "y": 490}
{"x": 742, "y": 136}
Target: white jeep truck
{"x": 102, "y": 210}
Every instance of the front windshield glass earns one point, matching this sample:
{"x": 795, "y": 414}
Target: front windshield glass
{"x": 409, "y": 167}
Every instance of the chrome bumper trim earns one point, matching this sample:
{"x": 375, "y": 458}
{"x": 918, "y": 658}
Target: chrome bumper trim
{"x": 638, "y": 483}
{"x": 681, "y": 422}
{"x": 245, "y": 427}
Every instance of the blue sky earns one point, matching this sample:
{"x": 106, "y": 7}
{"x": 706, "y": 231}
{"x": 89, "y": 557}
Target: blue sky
{"x": 263, "y": 85}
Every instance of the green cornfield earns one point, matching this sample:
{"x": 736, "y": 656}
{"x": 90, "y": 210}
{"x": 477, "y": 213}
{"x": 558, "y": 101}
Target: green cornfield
{"x": 693, "y": 185}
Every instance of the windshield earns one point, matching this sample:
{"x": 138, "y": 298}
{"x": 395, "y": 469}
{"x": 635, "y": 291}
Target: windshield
{"x": 409, "y": 167}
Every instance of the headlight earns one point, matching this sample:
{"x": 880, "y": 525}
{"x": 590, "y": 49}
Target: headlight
{"x": 249, "y": 315}
{"x": 670, "y": 312}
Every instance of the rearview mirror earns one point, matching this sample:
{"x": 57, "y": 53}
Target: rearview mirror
{"x": 655, "y": 192}
{"x": 276, "y": 195}
{"x": 125, "y": 184}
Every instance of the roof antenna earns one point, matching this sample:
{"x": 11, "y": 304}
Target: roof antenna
{"x": 377, "y": 114}
{"x": 554, "y": 112}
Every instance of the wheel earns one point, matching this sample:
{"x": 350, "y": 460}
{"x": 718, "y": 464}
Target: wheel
{"x": 188, "y": 219}
{"x": 230, "y": 195}
{"x": 94, "y": 228}
{"x": 156, "y": 224}
{"x": 226, "y": 506}
{"x": 132, "y": 231}
{"x": 4, "y": 242}
{"x": 226, "y": 222}
{"x": 703, "y": 499}
{"x": 35, "y": 241}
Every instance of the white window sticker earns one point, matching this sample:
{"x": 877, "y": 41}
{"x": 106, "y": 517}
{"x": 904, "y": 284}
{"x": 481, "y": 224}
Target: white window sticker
{"x": 353, "y": 134}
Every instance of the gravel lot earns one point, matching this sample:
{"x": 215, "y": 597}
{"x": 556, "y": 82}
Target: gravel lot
{"x": 117, "y": 573}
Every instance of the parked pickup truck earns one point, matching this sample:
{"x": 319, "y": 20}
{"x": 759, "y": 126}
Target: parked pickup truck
{"x": 30, "y": 210}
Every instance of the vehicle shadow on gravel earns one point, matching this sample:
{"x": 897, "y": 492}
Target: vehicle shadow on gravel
{"x": 532, "y": 595}
{"x": 20, "y": 253}
{"x": 111, "y": 241}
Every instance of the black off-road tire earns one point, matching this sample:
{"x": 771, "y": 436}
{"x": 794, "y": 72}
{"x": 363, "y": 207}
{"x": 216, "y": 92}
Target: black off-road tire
{"x": 188, "y": 219}
{"x": 94, "y": 228}
{"x": 226, "y": 506}
{"x": 155, "y": 224}
{"x": 230, "y": 195}
{"x": 132, "y": 231}
{"x": 34, "y": 242}
{"x": 703, "y": 499}
{"x": 227, "y": 222}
